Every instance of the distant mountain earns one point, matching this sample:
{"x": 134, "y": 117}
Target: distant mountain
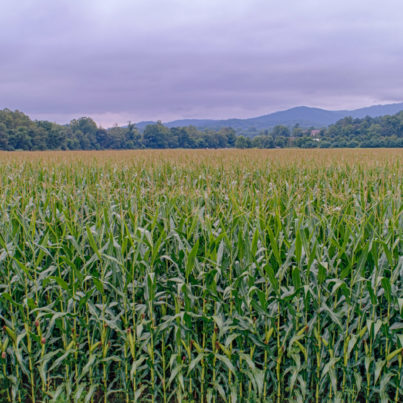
{"x": 303, "y": 115}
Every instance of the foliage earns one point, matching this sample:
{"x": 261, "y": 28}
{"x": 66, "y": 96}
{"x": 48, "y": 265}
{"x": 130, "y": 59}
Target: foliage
{"x": 201, "y": 276}
{"x": 18, "y": 132}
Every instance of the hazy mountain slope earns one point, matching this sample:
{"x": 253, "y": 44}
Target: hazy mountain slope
{"x": 377, "y": 110}
{"x": 304, "y": 115}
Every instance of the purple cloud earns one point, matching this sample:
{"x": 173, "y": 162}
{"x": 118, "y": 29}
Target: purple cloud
{"x": 168, "y": 59}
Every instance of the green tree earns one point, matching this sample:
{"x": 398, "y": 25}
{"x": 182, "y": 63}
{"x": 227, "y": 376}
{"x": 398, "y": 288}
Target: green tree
{"x": 243, "y": 142}
{"x": 280, "y": 131}
{"x": 85, "y": 129}
{"x": 132, "y": 137}
{"x": 3, "y": 137}
{"x": 230, "y": 135}
{"x": 156, "y": 136}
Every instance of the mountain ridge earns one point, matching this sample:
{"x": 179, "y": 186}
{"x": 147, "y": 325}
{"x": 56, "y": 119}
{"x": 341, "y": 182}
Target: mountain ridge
{"x": 305, "y": 116}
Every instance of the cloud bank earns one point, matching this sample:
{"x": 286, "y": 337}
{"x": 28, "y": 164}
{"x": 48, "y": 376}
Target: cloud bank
{"x": 169, "y": 59}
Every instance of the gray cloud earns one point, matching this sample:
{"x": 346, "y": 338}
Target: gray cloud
{"x": 167, "y": 59}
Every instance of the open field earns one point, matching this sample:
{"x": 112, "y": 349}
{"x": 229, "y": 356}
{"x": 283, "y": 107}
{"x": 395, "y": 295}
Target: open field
{"x": 204, "y": 275}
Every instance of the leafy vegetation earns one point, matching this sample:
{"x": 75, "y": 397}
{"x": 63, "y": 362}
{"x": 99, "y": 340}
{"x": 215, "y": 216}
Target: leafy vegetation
{"x": 19, "y": 132}
{"x": 201, "y": 276}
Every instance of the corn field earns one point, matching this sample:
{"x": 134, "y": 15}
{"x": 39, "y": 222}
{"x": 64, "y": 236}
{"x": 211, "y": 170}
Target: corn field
{"x": 201, "y": 276}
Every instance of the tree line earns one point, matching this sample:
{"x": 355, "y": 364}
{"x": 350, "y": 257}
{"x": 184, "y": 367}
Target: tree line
{"x": 19, "y": 132}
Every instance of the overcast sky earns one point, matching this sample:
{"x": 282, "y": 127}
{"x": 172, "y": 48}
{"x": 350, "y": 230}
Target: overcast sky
{"x": 120, "y": 60}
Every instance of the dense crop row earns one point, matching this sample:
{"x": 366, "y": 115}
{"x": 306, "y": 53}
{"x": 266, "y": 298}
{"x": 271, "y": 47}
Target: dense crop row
{"x": 238, "y": 276}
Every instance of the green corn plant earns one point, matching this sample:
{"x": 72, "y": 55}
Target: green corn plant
{"x": 208, "y": 275}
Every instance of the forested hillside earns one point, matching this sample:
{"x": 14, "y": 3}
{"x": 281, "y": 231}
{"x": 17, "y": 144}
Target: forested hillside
{"x": 19, "y": 132}
{"x": 304, "y": 116}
